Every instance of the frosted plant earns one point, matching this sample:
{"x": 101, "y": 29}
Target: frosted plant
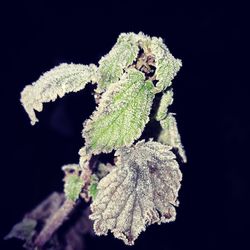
{"x": 132, "y": 89}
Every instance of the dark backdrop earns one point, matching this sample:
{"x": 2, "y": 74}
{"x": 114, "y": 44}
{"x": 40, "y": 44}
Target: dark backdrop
{"x": 210, "y": 101}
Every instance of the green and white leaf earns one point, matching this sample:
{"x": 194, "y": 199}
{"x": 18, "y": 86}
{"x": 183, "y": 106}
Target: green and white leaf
{"x": 122, "y": 114}
{"x": 57, "y": 82}
{"x": 141, "y": 190}
{"x": 73, "y": 183}
{"x": 112, "y": 66}
{"x": 166, "y": 100}
{"x": 166, "y": 65}
{"x": 170, "y": 135}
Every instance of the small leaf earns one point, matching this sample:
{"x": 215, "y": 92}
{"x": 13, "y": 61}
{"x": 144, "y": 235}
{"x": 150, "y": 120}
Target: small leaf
{"x": 170, "y": 135}
{"x": 166, "y": 100}
{"x": 166, "y": 65}
{"x": 92, "y": 189}
{"x": 60, "y": 80}
{"x": 73, "y": 185}
{"x": 112, "y": 65}
{"x": 141, "y": 190}
{"x": 121, "y": 115}
{"x": 23, "y": 230}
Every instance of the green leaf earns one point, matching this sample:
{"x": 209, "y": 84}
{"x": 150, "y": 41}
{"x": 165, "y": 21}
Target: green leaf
{"x": 122, "y": 114}
{"x": 170, "y": 135}
{"x": 112, "y": 65}
{"x": 166, "y": 100}
{"x": 73, "y": 186}
{"x": 92, "y": 189}
{"x": 60, "y": 80}
{"x": 141, "y": 190}
{"x": 166, "y": 65}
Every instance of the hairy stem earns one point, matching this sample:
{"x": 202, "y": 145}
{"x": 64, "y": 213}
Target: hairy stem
{"x": 55, "y": 222}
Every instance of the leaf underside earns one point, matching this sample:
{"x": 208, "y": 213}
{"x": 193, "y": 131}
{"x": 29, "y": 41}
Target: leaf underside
{"x": 141, "y": 190}
{"x": 57, "y": 82}
{"x": 122, "y": 114}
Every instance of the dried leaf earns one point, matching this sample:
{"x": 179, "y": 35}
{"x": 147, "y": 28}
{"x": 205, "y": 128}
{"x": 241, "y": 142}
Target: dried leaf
{"x": 60, "y": 80}
{"x": 112, "y": 65}
{"x": 140, "y": 191}
{"x": 170, "y": 135}
{"x": 121, "y": 115}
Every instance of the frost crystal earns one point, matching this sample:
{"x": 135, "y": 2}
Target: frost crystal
{"x": 121, "y": 115}
{"x": 170, "y": 135}
{"x": 141, "y": 190}
{"x": 60, "y": 80}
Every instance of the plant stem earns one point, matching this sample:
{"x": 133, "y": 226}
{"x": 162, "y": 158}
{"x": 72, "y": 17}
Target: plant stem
{"x": 55, "y": 222}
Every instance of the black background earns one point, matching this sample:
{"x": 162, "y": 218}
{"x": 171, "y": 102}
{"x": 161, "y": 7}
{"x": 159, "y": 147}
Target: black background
{"x": 211, "y": 95}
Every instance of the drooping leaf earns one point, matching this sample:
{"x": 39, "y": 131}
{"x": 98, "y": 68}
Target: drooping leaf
{"x": 112, "y": 65}
{"x": 141, "y": 190}
{"x": 166, "y": 100}
{"x": 60, "y": 80}
{"x": 170, "y": 135}
{"x": 166, "y": 65}
{"x": 73, "y": 183}
{"x": 122, "y": 114}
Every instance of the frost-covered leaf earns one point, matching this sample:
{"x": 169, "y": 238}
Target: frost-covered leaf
{"x": 166, "y": 65}
{"x": 170, "y": 135}
{"x": 121, "y": 115}
{"x": 141, "y": 190}
{"x": 112, "y": 65}
{"x": 166, "y": 100}
{"x": 73, "y": 183}
{"x": 60, "y": 80}
{"x": 23, "y": 230}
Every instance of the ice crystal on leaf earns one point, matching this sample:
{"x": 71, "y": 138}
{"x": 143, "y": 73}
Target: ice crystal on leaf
{"x": 141, "y": 190}
{"x": 60, "y": 80}
{"x": 121, "y": 115}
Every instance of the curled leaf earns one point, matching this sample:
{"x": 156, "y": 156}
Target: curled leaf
{"x": 166, "y": 100}
{"x": 170, "y": 135}
{"x": 141, "y": 190}
{"x": 166, "y": 65}
{"x": 60, "y": 80}
{"x": 112, "y": 65}
{"x": 122, "y": 114}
